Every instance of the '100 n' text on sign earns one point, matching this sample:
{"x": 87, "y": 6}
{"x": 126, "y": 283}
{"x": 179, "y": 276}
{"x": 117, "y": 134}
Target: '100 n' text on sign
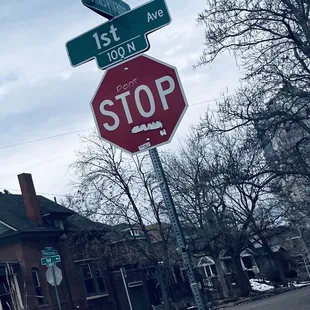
{"x": 120, "y": 38}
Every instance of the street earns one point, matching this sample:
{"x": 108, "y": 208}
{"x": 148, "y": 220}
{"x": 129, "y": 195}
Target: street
{"x": 295, "y": 300}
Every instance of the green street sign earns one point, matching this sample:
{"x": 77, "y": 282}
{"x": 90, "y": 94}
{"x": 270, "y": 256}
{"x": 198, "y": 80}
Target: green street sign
{"x": 47, "y": 253}
{"x": 121, "y": 38}
{"x": 50, "y": 261}
{"x": 107, "y": 8}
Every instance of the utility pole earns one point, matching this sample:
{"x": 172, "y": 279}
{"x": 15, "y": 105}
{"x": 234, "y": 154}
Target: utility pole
{"x": 176, "y": 227}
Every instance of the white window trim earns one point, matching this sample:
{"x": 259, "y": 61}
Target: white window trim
{"x": 19, "y": 297}
{"x": 90, "y": 271}
{"x": 37, "y": 276}
{"x": 93, "y": 277}
{"x": 135, "y": 233}
{"x": 97, "y": 296}
{"x": 254, "y": 264}
{"x": 210, "y": 269}
{"x": 85, "y": 260}
{"x": 37, "y": 273}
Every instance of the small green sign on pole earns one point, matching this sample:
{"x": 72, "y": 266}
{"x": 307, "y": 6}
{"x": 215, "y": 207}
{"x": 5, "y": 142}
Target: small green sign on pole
{"x": 50, "y": 261}
{"x": 121, "y": 38}
{"x": 49, "y": 252}
{"x": 50, "y": 257}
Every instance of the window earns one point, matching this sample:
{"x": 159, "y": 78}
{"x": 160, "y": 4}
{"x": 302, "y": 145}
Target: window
{"x": 228, "y": 264}
{"x": 247, "y": 261}
{"x": 213, "y": 269}
{"x": 210, "y": 270}
{"x": 93, "y": 279}
{"x": 135, "y": 233}
{"x": 59, "y": 224}
{"x": 38, "y": 287}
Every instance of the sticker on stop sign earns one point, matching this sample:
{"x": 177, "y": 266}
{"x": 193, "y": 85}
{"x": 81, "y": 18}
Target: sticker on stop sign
{"x": 139, "y": 104}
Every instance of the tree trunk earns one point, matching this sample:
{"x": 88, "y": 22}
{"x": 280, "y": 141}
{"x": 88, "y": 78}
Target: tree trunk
{"x": 272, "y": 255}
{"x": 276, "y": 261}
{"x": 221, "y": 277}
{"x": 242, "y": 278}
{"x": 163, "y": 287}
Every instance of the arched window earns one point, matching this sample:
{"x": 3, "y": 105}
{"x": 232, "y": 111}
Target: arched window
{"x": 37, "y": 285}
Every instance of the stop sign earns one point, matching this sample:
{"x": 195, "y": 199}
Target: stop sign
{"x": 139, "y": 104}
{"x": 50, "y": 276}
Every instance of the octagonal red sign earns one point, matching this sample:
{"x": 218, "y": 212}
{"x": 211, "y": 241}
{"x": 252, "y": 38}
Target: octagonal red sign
{"x": 139, "y": 104}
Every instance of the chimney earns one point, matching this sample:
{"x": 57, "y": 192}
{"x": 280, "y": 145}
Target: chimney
{"x": 30, "y": 198}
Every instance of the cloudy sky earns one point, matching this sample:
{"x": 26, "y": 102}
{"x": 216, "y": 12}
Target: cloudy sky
{"x": 41, "y": 95}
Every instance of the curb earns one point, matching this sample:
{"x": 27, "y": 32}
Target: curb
{"x": 259, "y": 297}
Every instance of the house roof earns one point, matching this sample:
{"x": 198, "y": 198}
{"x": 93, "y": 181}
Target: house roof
{"x": 205, "y": 260}
{"x": 77, "y": 221}
{"x": 247, "y": 252}
{"x": 125, "y": 226}
{"x": 261, "y": 250}
{"x": 155, "y": 232}
{"x": 14, "y": 220}
{"x": 13, "y": 213}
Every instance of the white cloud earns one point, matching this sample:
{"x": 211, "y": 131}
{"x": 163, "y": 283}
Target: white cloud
{"x": 41, "y": 95}
{"x": 4, "y": 89}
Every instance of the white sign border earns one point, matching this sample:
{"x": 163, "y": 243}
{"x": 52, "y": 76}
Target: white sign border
{"x": 177, "y": 124}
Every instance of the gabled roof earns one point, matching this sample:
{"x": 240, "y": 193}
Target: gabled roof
{"x": 125, "y": 226}
{"x": 247, "y": 252}
{"x": 13, "y": 213}
{"x": 261, "y": 250}
{"x": 205, "y": 260}
{"x": 78, "y": 222}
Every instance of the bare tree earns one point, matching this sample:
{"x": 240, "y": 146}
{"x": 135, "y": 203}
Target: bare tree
{"x": 199, "y": 191}
{"x": 270, "y": 38}
{"x": 187, "y": 177}
{"x": 229, "y": 175}
{"x": 115, "y": 188}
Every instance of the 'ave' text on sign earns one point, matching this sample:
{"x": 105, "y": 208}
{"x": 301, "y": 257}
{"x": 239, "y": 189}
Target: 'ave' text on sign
{"x": 121, "y": 38}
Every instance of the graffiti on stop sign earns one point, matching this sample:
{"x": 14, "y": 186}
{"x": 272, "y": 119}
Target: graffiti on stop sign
{"x": 114, "y": 121}
{"x": 139, "y": 104}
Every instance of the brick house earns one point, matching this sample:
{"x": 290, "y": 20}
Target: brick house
{"x": 28, "y": 224}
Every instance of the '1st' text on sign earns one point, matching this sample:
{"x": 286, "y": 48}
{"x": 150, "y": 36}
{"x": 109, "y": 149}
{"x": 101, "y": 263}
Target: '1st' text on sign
{"x": 120, "y": 38}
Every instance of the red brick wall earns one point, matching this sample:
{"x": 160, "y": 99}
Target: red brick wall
{"x": 28, "y": 253}
{"x": 76, "y": 285}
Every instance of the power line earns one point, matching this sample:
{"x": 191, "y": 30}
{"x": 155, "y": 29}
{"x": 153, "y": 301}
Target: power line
{"x": 42, "y": 139}
{"x": 77, "y": 131}
{"x": 210, "y": 100}
{"x": 70, "y": 133}
{"x": 18, "y": 190}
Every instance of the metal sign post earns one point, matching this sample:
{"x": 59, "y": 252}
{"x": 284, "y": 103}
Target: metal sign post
{"x": 50, "y": 258}
{"x": 126, "y": 123}
{"x": 56, "y": 288}
{"x": 176, "y": 227}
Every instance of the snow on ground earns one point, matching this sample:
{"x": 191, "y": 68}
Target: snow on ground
{"x": 301, "y": 284}
{"x": 258, "y": 285}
